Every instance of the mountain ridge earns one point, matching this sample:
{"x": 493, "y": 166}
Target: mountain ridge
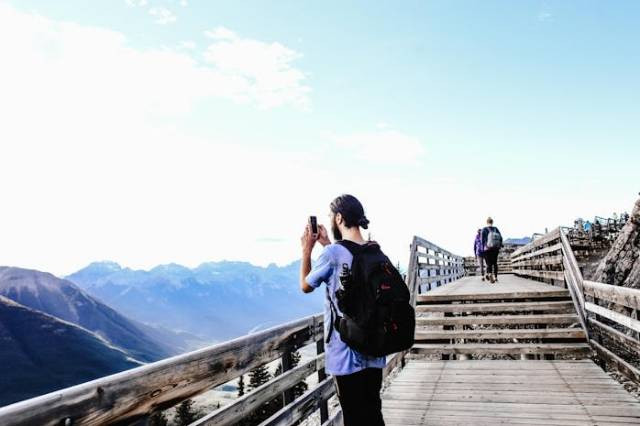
{"x": 66, "y": 301}
{"x": 41, "y": 353}
{"x": 215, "y": 300}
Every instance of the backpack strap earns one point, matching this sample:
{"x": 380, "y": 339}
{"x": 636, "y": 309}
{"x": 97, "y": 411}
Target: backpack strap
{"x": 353, "y": 248}
{"x": 333, "y": 319}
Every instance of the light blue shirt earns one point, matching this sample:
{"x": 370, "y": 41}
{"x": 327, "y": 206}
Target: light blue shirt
{"x": 340, "y": 359}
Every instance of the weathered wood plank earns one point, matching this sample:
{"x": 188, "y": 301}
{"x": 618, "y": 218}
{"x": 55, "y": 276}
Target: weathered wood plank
{"x": 429, "y": 245}
{"x": 335, "y": 420}
{"x": 550, "y": 275}
{"x": 538, "y": 261}
{"x": 497, "y": 334}
{"x": 532, "y": 348}
{"x": 537, "y": 253}
{"x": 435, "y": 278}
{"x": 303, "y": 406}
{"x": 625, "y": 296}
{"x": 238, "y": 409}
{"x": 499, "y": 320}
{"x": 510, "y": 397}
{"x": 616, "y": 335}
{"x": 136, "y": 392}
{"x": 623, "y": 366}
{"x": 621, "y": 409}
{"x": 393, "y": 361}
{"x": 563, "y": 306}
{"x": 538, "y": 242}
{"x": 621, "y": 319}
{"x": 506, "y": 295}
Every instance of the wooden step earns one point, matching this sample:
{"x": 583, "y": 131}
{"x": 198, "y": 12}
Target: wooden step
{"x": 553, "y": 306}
{"x": 500, "y": 319}
{"x": 502, "y": 348}
{"x": 523, "y": 333}
{"x": 513, "y": 295}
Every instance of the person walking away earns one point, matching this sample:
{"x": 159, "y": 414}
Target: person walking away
{"x": 491, "y": 243}
{"x": 477, "y": 249}
{"x": 358, "y": 377}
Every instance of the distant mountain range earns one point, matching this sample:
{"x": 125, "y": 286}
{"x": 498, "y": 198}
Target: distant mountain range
{"x": 215, "y": 301}
{"x": 41, "y": 353}
{"x": 518, "y": 241}
{"x": 54, "y": 335}
{"x": 64, "y": 300}
{"x": 104, "y": 318}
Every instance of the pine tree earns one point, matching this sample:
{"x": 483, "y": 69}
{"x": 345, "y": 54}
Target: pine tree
{"x": 185, "y": 413}
{"x": 258, "y": 376}
{"x": 241, "y": 386}
{"x": 300, "y": 387}
{"x": 158, "y": 419}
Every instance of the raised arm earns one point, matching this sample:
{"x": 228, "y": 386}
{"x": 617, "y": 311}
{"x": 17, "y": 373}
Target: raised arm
{"x": 307, "y": 241}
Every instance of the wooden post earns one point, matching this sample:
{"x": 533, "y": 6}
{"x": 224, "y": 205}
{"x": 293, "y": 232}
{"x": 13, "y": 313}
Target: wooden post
{"x": 324, "y": 409}
{"x": 412, "y": 280}
{"x": 287, "y": 363}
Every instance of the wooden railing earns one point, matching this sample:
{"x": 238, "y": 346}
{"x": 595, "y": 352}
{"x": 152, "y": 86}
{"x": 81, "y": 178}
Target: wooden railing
{"x": 133, "y": 396}
{"x": 613, "y": 319}
{"x": 608, "y": 313}
{"x": 431, "y": 266}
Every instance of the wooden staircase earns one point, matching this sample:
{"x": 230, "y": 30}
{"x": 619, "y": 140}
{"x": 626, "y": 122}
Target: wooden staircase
{"x": 527, "y": 324}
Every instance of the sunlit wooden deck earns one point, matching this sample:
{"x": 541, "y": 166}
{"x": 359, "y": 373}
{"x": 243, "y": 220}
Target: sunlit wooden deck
{"x": 488, "y": 392}
{"x": 508, "y": 286}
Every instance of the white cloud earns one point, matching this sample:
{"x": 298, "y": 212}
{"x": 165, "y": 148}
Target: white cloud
{"x": 184, "y": 3}
{"x": 221, "y": 33}
{"x": 162, "y": 15}
{"x": 264, "y": 69}
{"x": 136, "y": 3}
{"x": 545, "y": 16}
{"x": 383, "y": 146}
{"x": 189, "y": 45}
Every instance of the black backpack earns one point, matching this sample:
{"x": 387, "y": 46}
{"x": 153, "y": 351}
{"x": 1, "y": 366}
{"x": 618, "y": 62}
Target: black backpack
{"x": 378, "y": 318}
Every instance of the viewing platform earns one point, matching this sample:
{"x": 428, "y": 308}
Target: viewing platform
{"x": 520, "y": 351}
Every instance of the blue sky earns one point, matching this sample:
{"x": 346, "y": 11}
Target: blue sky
{"x": 160, "y": 131}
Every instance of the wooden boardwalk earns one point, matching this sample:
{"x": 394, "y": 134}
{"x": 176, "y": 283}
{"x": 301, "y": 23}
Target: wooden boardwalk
{"x": 508, "y": 286}
{"x": 515, "y": 316}
{"x": 514, "y": 352}
{"x": 489, "y": 392}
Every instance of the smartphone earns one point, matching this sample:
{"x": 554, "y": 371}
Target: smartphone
{"x": 314, "y": 224}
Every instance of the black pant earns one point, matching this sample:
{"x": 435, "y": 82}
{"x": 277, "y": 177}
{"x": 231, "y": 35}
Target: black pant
{"x": 491, "y": 257}
{"x": 359, "y": 395}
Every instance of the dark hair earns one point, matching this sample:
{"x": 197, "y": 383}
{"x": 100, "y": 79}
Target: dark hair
{"x": 351, "y": 210}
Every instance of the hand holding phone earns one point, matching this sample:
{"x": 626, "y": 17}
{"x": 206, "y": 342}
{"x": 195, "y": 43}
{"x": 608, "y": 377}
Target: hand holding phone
{"x": 313, "y": 221}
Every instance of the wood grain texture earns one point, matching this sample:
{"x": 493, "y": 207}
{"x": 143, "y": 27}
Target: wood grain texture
{"x": 507, "y": 392}
{"x": 624, "y": 296}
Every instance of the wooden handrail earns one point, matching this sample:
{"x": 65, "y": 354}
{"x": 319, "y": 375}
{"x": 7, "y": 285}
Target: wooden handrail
{"x": 232, "y": 413}
{"x": 133, "y": 394}
{"x": 573, "y": 278}
{"x": 537, "y": 257}
{"x": 433, "y": 266}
